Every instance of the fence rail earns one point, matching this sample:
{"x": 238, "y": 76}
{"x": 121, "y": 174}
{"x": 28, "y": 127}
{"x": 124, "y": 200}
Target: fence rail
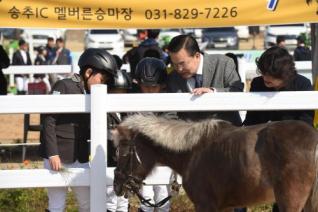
{"x": 38, "y": 69}
{"x": 162, "y": 102}
{"x": 42, "y": 178}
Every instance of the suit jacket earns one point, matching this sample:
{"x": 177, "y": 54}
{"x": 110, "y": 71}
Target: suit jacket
{"x": 218, "y": 72}
{"x": 40, "y": 60}
{"x": 17, "y": 60}
{"x": 66, "y": 135}
{"x": 300, "y": 83}
{"x": 64, "y": 57}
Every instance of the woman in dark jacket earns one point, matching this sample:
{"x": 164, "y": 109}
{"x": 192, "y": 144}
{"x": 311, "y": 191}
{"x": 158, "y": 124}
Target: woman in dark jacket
{"x": 278, "y": 73}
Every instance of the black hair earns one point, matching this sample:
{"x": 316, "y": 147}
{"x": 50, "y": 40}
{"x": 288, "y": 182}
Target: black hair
{"x": 152, "y": 53}
{"x": 301, "y": 39}
{"x": 96, "y": 71}
{"x": 184, "y": 41}
{"x": 41, "y": 49}
{"x": 153, "y": 33}
{"x": 22, "y": 42}
{"x": 278, "y": 63}
{"x": 60, "y": 40}
{"x": 280, "y": 38}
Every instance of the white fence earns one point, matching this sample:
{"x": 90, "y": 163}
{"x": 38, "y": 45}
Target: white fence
{"x": 36, "y": 69}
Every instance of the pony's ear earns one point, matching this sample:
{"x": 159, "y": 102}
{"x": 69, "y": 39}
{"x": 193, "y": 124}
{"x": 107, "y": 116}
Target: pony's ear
{"x": 121, "y": 133}
{"x": 115, "y": 137}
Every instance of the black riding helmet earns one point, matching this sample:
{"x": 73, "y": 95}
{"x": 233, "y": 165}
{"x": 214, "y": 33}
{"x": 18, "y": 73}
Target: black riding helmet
{"x": 99, "y": 60}
{"x": 122, "y": 80}
{"x": 151, "y": 71}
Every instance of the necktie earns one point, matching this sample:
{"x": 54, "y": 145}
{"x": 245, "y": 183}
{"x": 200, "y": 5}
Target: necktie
{"x": 191, "y": 83}
{"x": 198, "y": 80}
{"x": 194, "y": 82}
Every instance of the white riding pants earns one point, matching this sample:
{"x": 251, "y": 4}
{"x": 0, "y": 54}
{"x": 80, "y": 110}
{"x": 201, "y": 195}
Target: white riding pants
{"x": 57, "y": 195}
{"x": 115, "y": 203}
{"x": 21, "y": 83}
{"x": 156, "y": 193}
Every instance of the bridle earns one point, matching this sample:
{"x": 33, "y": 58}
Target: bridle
{"x": 132, "y": 184}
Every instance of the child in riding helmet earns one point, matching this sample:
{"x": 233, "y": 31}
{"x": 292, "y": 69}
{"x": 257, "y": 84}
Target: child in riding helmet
{"x": 64, "y": 136}
{"x": 122, "y": 84}
{"x": 151, "y": 78}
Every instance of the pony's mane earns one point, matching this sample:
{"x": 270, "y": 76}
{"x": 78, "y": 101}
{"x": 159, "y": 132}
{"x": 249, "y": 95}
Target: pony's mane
{"x": 176, "y": 135}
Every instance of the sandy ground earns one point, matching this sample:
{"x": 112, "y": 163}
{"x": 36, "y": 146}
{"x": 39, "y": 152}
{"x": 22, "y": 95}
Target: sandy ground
{"x": 11, "y": 128}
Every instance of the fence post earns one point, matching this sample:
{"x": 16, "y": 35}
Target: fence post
{"x": 98, "y": 148}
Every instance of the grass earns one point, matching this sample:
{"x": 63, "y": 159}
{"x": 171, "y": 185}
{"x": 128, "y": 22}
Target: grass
{"x": 29, "y": 200}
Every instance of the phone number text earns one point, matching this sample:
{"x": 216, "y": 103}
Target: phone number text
{"x": 193, "y": 13}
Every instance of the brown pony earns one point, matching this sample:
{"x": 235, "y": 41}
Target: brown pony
{"x": 223, "y": 166}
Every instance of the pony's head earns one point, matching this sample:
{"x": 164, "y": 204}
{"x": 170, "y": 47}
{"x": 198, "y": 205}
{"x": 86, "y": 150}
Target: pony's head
{"x": 129, "y": 173}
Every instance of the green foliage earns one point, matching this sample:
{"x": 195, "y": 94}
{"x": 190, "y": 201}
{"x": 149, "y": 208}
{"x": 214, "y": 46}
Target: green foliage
{"x": 29, "y": 200}
{"x": 306, "y": 38}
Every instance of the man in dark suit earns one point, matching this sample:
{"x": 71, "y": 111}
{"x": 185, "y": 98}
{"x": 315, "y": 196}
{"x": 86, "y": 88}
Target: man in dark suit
{"x": 62, "y": 54}
{"x": 199, "y": 73}
{"x": 64, "y": 137}
{"x": 21, "y": 57}
{"x": 302, "y": 52}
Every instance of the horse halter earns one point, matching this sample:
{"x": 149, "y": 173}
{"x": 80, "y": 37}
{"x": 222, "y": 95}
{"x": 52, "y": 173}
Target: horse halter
{"x": 131, "y": 183}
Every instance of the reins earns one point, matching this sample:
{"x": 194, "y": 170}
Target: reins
{"x": 175, "y": 187}
{"x": 132, "y": 183}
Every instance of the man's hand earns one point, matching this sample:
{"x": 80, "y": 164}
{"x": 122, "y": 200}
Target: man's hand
{"x": 55, "y": 163}
{"x": 200, "y": 91}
